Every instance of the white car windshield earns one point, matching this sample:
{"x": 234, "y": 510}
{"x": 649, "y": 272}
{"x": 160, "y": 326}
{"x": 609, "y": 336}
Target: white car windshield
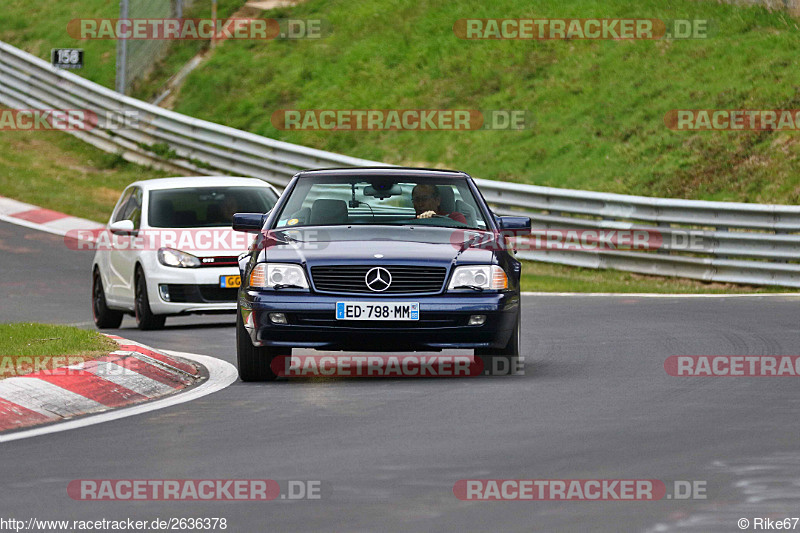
{"x": 206, "y": 206}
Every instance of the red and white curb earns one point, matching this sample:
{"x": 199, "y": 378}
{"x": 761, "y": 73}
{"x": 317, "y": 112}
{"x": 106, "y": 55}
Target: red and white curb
{"x": 38, "y": 218}
{"x": 132, "y": 374}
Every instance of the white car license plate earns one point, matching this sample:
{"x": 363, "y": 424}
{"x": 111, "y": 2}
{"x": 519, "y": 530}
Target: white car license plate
{"x": 376, "y": 311}
{"x": 230, "y": 282}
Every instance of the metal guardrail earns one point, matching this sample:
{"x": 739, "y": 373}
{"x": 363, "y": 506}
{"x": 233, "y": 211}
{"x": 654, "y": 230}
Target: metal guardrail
{"x": 743, "y": 243}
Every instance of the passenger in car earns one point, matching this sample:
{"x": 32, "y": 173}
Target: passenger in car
{"x": 427, "y": 202}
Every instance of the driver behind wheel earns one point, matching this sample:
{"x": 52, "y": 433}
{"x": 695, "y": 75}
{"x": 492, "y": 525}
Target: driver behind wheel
{"x": 427, "y": 200}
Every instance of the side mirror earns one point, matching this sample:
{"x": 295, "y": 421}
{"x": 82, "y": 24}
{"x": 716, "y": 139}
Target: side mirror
{"x": 251, "y": 222}
{"x": 517, "y": 225}
{"x": 121, "y": 227}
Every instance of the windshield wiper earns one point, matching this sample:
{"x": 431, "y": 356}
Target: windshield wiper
{"x": 473, "y": 287}
{"x": 286, "y": 286}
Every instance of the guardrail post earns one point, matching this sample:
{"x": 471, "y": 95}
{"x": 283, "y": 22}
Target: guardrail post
{"x": 722, "y": 229}
{"x": 664, "y": 250}
{"x": 122, "y": 53}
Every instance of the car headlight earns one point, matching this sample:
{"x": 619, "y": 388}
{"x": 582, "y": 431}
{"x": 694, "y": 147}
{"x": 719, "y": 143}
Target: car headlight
{"x": 278, "y": 276}
{"x": 176, "y": 258}
{"x": 478, "y": 277}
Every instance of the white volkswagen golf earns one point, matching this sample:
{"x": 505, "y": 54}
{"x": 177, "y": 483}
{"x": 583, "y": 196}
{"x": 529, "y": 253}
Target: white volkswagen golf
{"x": 169, "y": 249}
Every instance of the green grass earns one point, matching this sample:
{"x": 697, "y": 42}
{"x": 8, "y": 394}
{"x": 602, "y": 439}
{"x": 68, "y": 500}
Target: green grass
{"x": 598, "y": 107}
{"x": 31, "y": 338}
{"x": 180, "y": 52}
{"x": 26, "y": 347}
{"x": 36, "y": 26}
{"x": 56, "y": 170}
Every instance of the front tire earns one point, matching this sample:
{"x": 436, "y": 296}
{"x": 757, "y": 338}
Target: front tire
{"x": 145, "y": 319}
{"x": 254, "y": 362}
{"x": 104, "y": 318}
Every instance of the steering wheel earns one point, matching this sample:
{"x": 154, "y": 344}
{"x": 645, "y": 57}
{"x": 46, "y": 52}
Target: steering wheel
{"x": 432, "y": 216}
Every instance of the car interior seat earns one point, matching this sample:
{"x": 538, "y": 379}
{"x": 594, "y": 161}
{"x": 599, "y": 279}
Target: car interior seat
{"x": 302, "y": 215}
{"x": 447, "y": 198}
{"x": 468, "y": 211}
{"x": 325, "y": 211}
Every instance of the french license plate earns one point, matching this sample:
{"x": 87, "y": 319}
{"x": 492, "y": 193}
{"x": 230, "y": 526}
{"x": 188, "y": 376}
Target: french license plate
{"x": 375, "y": 311}
{"x": 230, "y": 282}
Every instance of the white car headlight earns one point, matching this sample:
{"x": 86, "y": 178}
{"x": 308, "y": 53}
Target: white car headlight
{"x": 478, "y": 277}
{"x": 278, "y": 276}
{"x": 176, "y": 258}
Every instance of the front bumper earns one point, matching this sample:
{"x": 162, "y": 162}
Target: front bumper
{"x": 186, "y": 294}
{"x": 442, "y": 322}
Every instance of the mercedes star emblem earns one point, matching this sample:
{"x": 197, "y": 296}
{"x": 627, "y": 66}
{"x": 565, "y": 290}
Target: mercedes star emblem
{"x": 378, "y": 279}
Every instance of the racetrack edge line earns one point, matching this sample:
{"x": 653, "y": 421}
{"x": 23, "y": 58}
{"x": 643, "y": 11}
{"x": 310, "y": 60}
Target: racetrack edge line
{"x": 665, "y": 295}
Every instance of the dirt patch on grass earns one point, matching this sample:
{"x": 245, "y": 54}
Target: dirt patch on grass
{"x": 106, "y": 195}
{"x": 55, "y": 156}
{"x": 266, "y": 5}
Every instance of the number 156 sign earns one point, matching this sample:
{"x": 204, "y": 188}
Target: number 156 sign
{"x": 66, "y": 58}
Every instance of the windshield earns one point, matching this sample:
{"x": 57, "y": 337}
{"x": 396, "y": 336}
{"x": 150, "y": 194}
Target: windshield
{"x": 330, "y": 201}
{"x": 206, "y": 206}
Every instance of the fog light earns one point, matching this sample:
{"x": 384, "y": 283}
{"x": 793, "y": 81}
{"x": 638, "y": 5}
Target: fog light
{"x": 163, "y": 291}
{"x": 476, "y": 320}
{"x": 277, "y": 318}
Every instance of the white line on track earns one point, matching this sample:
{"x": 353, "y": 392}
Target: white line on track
{"x": 220, "y": 375}
{"x": 32, "y": 225}
{"x": 787, "y": 295}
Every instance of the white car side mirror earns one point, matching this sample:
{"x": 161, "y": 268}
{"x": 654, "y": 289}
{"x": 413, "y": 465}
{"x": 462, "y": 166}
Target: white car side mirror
{"x": 121, "y": 227}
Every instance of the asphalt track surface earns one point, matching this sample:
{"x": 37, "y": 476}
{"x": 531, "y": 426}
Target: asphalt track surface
{"x": 594, "y": 402}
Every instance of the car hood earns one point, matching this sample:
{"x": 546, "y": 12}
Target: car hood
{"x": 376, "y": 244}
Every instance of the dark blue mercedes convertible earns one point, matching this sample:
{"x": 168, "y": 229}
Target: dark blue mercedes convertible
{"x": 377, "y": 259}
